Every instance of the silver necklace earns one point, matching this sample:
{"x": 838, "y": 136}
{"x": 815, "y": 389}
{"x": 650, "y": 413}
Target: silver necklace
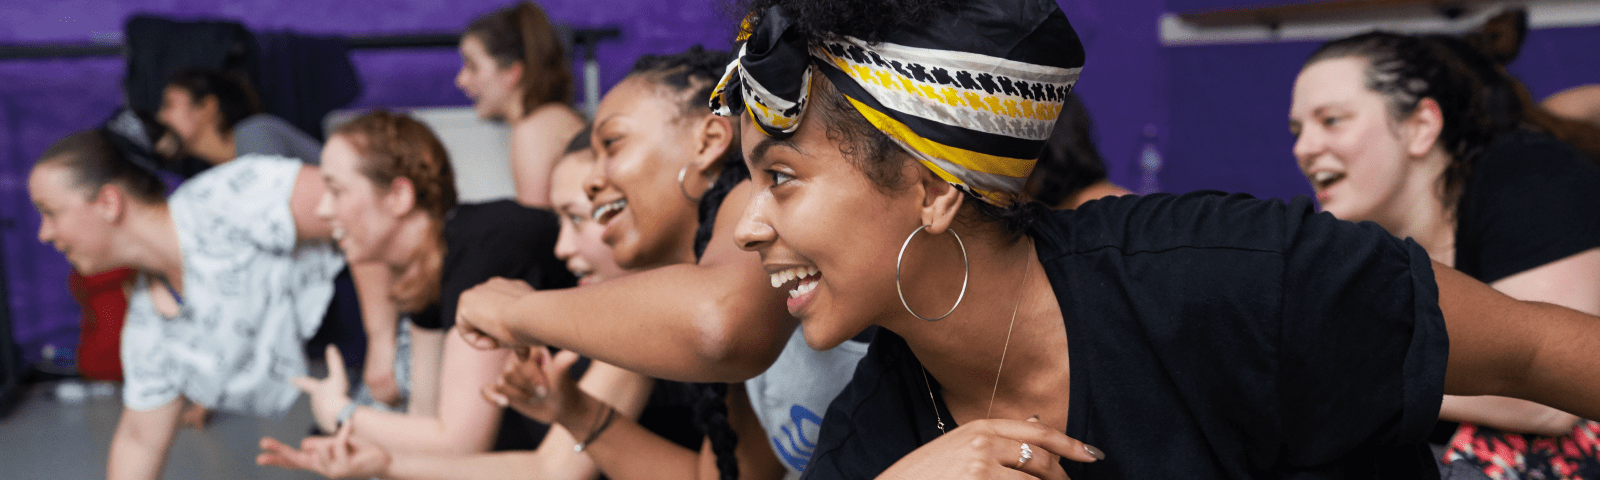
{"x": 1006, "y": 346}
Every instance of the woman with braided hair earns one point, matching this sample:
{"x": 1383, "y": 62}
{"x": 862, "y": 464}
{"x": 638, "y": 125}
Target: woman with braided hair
{"x": 1427, "y": 137}
{"x": 1202, "y": 335}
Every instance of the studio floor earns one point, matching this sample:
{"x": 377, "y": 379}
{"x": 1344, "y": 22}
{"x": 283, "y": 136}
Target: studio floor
{"x": 62, "y": 430}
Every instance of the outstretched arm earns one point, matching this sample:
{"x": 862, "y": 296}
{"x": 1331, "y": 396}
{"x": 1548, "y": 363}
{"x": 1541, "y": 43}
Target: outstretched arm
{"x": 716, "y": 321}
{"x": 1528, "y": 350}
{"x": 139, "y": 447}
{"x": 1572, "y": 282}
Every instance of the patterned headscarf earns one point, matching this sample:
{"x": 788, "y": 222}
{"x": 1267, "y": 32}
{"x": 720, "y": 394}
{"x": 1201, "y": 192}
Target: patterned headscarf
{"x": 973, "y": 93}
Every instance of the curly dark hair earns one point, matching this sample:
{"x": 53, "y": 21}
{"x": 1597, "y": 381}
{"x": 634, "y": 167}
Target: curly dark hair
{"x": 1477, "y": 101}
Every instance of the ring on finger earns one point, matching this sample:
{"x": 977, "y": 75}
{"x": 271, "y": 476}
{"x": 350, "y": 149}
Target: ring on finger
{"x": 1027, "y": 454}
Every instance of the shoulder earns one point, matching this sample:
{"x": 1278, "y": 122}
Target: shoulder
{"x": 248, "y": 173}
{"x": 262, "y": 121}
{"x": 1535, "y": 157}
{"x": 551, "y": 118}
{"x": 499, "y": 229}
{"x": 498, "y": 213}
{"x": 1154, "y": 223}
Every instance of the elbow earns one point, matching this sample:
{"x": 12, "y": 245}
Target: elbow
{"x": 735, "y": 350}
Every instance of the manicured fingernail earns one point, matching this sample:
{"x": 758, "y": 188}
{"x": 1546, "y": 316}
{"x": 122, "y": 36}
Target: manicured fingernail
{"x": 540, "y": 391}
{"x": 1094, "y": 452}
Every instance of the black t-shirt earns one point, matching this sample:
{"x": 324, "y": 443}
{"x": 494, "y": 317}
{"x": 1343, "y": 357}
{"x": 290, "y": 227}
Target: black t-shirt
{"x": 1210, "y": 336}
{"x": 495, "y": 239}
{"x": 498, "y": 239}
{"x": 1531, "y": 200}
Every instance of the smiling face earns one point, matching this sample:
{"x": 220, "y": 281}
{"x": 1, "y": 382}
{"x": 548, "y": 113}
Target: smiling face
{"x": 493, "y": 88}
{"x": 808, "y": 199}
{"x": 355, "y": 207}
{"x": 70, "y": 220}
{"x": 1347, "y": 144}
{"x": 641, "y": 145}
{"x": 579, "y": 245}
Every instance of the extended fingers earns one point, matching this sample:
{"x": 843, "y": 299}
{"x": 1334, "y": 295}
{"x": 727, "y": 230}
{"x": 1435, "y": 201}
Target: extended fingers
{"x": 1038, "y": 435}
{"x": 474, "y": 337}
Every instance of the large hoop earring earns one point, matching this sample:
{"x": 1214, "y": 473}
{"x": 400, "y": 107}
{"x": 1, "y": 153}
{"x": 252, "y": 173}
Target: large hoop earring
{"x": 685, "y": 190}
{"x": 966, "y": 265}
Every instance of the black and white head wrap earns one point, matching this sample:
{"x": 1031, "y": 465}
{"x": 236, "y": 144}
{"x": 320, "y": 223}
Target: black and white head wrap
{"x": 973, "y": 93}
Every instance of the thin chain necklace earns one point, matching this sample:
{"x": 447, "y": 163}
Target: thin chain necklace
{"x": 1023, "y": 282}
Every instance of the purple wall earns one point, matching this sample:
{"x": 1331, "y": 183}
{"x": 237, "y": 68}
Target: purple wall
{"x": 1229, "y": 107}
{"x": 44, "y": 100}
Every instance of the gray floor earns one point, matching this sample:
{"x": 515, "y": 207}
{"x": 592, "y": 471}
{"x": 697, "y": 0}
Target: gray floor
{"x": 55, "y": 436}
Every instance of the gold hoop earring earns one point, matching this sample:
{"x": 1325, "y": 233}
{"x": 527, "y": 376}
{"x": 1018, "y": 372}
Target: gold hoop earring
{"x": 685, "y": 190}
{"x": 966, "y": 265}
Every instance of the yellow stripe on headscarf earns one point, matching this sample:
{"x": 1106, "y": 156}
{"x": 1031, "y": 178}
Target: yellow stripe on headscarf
{"x": 975, "y": 161}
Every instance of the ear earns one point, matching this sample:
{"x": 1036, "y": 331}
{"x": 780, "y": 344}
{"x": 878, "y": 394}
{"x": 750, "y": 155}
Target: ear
{"x": 110, "y": 203}
{"x": 941, "y": 201}
{"x": 515, "y": 70}
{"x": 1423, "y": 127}
{"x": 401, "y": 197}
{"x": 713, "y": 137}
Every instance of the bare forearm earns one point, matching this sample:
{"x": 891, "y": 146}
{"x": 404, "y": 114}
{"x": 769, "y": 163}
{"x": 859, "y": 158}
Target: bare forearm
{"x": 626, "y": 451}
{"x": 1508, "y": 414}
{"x": 140, "y": 445}
{"x": 378, "y": 312}
{"x": 427, "y": 347}
{"x": 683, "y": 322}
{"x": 466, "y": 423}
{"x": 401, "y": 433}
{"x": 1528, "y": 350}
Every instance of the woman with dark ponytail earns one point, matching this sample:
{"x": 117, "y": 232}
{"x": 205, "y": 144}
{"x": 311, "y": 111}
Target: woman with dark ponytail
{"x": 514, "y": 68}
{"x": 192, "y": 334}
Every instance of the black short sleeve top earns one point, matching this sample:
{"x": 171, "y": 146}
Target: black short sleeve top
{"x": 1531, "y": 200}
{"x": 1210, "y": 336}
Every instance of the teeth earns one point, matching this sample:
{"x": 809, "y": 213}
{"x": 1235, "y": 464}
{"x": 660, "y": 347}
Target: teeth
{"x": 802, "y": 289}
{"x": 1325, "y": 178}
{"x": 603, "y": 210}
{"x": 785, "y": 276}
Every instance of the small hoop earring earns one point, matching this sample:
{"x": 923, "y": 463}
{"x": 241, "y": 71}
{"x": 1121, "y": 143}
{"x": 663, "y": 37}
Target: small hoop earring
{"x": 685, "y": 190}
{"x": 964, "y": 275}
